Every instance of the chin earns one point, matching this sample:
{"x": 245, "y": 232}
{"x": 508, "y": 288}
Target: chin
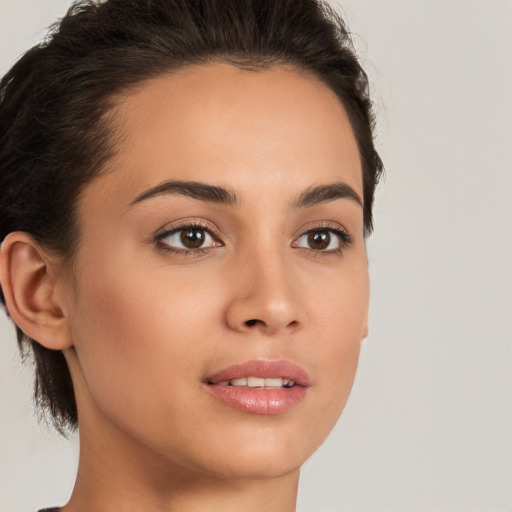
{"x": 260, "y": 468}
{"x": 265, "y": 456}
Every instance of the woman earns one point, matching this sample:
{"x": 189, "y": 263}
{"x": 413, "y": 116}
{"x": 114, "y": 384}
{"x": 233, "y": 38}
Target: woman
{"x": 185, "y": 192}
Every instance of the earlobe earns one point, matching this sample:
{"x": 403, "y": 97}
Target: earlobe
{"x": 29, "y": 280}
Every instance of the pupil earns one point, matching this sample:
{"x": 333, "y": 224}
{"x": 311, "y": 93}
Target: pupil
{"x": 192, "y": 238}
{"x": 319, "y": 239}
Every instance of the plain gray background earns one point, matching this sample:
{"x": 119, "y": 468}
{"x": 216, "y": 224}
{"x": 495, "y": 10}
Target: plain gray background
{"x": 429, "y": 424}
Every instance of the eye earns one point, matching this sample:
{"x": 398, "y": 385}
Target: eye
{"x": 323, "y": 240}
{"x": 187, "y": 238}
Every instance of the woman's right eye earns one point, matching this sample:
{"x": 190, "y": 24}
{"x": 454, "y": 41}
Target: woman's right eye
{"x": 187, "y": 239}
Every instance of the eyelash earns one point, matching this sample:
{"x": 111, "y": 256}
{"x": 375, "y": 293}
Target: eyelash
{"x": 345, "y": 239}
{"x": 186, "y": 226}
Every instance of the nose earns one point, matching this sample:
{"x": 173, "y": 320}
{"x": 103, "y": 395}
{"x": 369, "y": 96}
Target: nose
{"x": 265, "y": 298}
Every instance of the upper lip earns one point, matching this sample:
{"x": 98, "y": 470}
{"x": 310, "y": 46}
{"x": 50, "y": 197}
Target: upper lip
{"x": 263, "y": 369}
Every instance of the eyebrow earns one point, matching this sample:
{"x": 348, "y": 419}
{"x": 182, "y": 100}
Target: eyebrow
{"x": 325, "y": 193}
{"x": 220, "y": 195}
{"x": 194, "y": 189}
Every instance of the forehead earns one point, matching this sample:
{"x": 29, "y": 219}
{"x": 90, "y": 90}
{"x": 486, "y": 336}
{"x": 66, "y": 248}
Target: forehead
{"x": 228, "y": 126}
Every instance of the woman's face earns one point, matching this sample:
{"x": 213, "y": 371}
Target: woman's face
{"x": 227, "y": 231}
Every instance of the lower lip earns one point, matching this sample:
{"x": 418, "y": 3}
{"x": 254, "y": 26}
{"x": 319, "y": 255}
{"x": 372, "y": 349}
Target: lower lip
{"x": 259, "y": 400}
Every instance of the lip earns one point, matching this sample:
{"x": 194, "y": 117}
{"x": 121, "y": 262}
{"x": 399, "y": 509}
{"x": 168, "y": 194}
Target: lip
{"x": 260, "y": 400}
{"x": 263, "y": 369}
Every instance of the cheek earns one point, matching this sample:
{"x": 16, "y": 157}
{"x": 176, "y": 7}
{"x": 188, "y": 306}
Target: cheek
{"x": 340, "y": 318}
{"x": 138, "y": 333}
{"x": 338, "y": 304}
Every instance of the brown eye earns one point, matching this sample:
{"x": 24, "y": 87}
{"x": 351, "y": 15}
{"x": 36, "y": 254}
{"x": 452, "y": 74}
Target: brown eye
{"x": 192, "y": 238}
{"x": 319, "y": 240}
{"x": 187, "y": 239}
{"x": 323, "y": 240}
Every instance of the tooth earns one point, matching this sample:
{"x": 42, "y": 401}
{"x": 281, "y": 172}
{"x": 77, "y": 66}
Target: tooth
{"x": 223, "y": 383}
{"x": 286, "y": 382}
{"x": 255, "y": 382}
{"x": 274, "y": 382}
{"x": 239, "y": 382}
{"x": 291, "y": 383}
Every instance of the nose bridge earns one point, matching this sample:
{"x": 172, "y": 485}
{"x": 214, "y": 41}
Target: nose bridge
{"x": 264, "y": 297}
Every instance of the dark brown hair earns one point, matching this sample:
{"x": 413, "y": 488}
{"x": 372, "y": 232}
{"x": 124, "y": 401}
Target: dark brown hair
{"x": 54, "y": 130}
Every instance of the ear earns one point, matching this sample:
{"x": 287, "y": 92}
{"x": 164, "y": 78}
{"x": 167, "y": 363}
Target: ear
{"x": 33, "y": 290}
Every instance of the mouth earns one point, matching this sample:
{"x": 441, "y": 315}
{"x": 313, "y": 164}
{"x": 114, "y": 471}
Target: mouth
{"x": 260, "y": 387}
{"x": 257, "y": 382}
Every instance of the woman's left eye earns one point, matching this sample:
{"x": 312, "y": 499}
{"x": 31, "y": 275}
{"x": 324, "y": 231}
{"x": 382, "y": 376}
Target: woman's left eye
{"x": 324, "y": 240}
{"x": 189, "y": 238}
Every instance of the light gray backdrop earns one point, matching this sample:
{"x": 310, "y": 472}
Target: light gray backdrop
{"x": 429, "y": 424}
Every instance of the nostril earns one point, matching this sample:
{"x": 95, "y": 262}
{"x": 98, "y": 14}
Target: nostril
{"x": 250, "y": 323}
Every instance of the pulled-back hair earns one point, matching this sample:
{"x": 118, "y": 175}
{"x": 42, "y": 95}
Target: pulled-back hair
{"x": 55, "y": 135}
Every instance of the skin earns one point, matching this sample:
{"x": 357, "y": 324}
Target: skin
{"x": 142, "y": 327}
